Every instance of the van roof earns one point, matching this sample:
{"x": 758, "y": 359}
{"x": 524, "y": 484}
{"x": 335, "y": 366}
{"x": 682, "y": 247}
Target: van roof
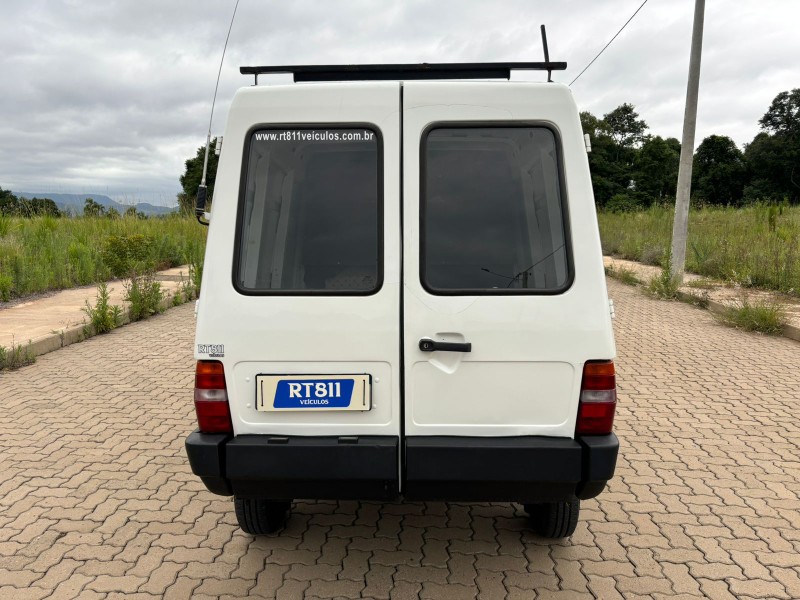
{"x": 410, "y": 71}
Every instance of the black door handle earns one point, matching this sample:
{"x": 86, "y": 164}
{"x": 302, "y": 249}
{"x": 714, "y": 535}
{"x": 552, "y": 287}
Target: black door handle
{"x": 429, "y": 345}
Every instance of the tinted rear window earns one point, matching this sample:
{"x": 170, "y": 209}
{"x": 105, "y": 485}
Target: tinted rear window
{"x": 492, "y": 215}
{"x": 311, "y": 212}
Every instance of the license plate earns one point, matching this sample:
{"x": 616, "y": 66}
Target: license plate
{"x": 313, "y": 392}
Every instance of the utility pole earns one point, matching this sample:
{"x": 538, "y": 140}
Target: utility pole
{"x": 681, "y": 224}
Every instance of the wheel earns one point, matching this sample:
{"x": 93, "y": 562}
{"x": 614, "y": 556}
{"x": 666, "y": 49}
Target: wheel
{"x": 554, "y": 519}
{"x": 258, "y": 516}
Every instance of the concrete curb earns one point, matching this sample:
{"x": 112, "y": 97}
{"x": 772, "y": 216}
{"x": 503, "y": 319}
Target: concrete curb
{"x": 76, "y": 333}
{"x": 789, "y": 331}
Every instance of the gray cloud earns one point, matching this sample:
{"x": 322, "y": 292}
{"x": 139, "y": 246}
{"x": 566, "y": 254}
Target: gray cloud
{"x": 112, "y": 97}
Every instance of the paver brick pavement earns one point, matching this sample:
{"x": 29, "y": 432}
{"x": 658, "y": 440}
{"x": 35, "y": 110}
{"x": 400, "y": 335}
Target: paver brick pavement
{"x": 97, "y": 500}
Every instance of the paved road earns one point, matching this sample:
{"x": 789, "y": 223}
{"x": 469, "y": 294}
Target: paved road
{"x": 96, "y": 499}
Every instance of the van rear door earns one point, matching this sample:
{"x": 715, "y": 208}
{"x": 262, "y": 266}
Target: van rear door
{"x": 503, "y": 294}
{"x": 308, "y": 313}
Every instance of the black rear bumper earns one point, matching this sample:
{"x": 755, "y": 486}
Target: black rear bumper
{"x": 516, "y": 469}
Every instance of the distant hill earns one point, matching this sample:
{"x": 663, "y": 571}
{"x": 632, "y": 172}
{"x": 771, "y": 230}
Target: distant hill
{"x": 74, "y": 203}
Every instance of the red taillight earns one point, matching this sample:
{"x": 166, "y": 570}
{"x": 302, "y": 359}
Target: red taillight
{"x": 598, "y": 399}
{"x": 211, "y": 398}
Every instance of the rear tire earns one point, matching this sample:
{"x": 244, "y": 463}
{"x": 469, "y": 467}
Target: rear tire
{"x": 258, "y": 516}
{"x": 554, "y": 519}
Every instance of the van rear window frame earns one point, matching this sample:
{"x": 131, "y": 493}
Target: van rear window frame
{"x": 563, "y": 201}
{"x": 241, "y": 202}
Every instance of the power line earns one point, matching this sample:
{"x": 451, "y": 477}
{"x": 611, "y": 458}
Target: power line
{"x": 609, "y": 43}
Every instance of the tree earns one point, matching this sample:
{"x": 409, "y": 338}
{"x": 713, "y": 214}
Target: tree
{"x": 608, "y": 179}
{"x": 132, "y": 213}
{"x": 773, "y": 157}
{"x": 625, "y": 127}
{"x": 93, "y": 209}
{"x": 27, "y": 207}
{"x": 43, "y": 206}
{"x": 719, "y": 171}
{"x": 656, "y": 168}
{"x": 614, "y": 140}
{"x": 9, "y": 203}
{"x": 783, "y": 116}
{"x": 592, "y": 125}
{"x": 190, "y": 180}
{"x": 769, "y": 168}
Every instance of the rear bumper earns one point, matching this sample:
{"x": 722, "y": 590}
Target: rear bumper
{"x": 518, "y": 469}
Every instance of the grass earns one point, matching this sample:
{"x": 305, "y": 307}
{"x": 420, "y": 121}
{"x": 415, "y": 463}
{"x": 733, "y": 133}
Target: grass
{"x": 763, "y": 316}
{"x": 15, "y": 357}
{"x": 702, "y": 284}
{"x": 47, "y": 253}
{"x": 624, "y": 275}
{"x": 757, "y": 246}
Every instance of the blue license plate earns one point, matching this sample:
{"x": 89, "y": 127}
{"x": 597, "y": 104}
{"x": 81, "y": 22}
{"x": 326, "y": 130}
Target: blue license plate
{"x": 313, "y": 392}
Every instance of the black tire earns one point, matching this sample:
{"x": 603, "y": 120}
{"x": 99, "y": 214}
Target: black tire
{"x": 554, "y": 519}
{"x": 258, "y": 516}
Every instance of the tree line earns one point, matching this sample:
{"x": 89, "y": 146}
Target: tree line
{"x": 16, "y": 206}
{"x": 632, "y": 169}
{"x": 11, "y": 205}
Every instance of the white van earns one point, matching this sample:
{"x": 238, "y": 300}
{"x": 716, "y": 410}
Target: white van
{"x": 404, "y": 297}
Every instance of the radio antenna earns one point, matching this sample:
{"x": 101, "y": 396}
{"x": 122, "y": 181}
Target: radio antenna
{"x": 546, "y": 54}
{"x": 202, "y": 191}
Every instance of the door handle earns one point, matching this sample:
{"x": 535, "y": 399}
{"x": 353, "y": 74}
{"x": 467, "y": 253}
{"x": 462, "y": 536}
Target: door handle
{"x": 429, "y": 345}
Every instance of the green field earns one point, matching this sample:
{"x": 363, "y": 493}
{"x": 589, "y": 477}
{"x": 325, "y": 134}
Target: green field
{"x": 755, "y": 246}
{"x": 48, "y": 253}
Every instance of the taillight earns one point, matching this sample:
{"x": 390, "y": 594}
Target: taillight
{"x": 211, "y": 398}
{"x": 598, "y": 399}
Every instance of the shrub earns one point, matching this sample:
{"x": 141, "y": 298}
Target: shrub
{"x": 103, "y": 317}
{"x": 144, "y": 294}
{"x": 664, "y": 285}
{"x": 622, "y": 203}
{"x": 125, "y": 253}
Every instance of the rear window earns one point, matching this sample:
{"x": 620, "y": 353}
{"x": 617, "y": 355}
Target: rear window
{"x": 492, "y": 216}
{"x": 310, "y": 216}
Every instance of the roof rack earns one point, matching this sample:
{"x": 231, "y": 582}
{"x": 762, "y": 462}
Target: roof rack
{"x": 488, "y": 70}
{"x": 403, "y": 71}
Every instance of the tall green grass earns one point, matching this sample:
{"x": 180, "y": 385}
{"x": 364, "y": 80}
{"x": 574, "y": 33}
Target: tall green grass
{"x": 47, "y": 253}
{"x": 756, "y": 246}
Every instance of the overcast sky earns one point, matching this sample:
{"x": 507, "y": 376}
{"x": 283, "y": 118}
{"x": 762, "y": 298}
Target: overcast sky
{"x": 112, "y": 96}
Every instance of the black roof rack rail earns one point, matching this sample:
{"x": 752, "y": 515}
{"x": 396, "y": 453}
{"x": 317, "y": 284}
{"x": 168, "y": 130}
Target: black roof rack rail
{"x": 492, "y": 70}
